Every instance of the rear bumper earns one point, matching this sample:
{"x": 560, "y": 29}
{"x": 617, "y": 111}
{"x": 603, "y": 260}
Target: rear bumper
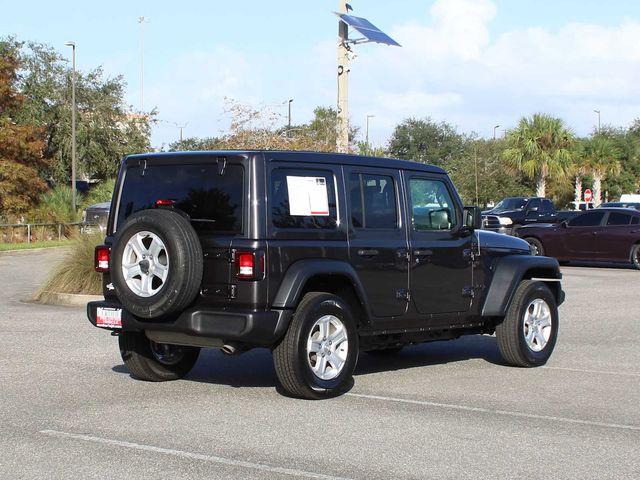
{"x": 206, "y": 327}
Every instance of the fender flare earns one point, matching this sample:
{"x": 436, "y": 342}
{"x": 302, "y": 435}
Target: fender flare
{"x": 509, "y": 271}
{"x": 300, "y": 272}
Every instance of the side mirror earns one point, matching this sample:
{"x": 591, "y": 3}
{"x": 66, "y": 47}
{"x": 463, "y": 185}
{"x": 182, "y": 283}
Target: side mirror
{"x": 472, "y": 217}
{"x": 532, "y": 209}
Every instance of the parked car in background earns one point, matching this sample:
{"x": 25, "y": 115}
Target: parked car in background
{"x": 94, "y": 218}
{"x": 511, "y": 213}
{"x": 635, "y": 205}
{"x": 601, "y": 235}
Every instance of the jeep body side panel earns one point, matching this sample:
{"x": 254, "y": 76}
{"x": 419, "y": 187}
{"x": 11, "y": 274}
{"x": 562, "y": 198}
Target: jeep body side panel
{"x": 509, "y": 270}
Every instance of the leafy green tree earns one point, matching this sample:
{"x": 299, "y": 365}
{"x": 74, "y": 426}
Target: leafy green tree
{"x": 426, "y": 141}
{"x": 540, "y": 146}
{"x": 107, "y": 129}
{"x": 20, "y": 145}
{"x": 602, "y": 157}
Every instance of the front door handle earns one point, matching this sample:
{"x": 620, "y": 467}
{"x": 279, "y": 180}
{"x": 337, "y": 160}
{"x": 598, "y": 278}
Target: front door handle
{"x": 423, "y": 253}
{"x": 368, "y": 252}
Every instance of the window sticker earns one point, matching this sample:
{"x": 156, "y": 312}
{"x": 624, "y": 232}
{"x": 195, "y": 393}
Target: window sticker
{"x": 308, "y": 196}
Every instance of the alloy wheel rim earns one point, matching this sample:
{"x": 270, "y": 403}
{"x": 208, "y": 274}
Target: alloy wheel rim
{"x": 537, "y": 325}
{"x": 145, "y": 264}
{"x": 327, "y": 347}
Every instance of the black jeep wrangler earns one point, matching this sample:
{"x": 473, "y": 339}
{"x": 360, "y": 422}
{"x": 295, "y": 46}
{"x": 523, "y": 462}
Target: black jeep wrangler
{"x": 315, "y": 256}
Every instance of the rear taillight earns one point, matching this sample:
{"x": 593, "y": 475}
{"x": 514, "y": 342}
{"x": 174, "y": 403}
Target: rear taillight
{"x": 246, "y": 262}
{"x": 249, "y": 265}
{"x": 102, "y": 258}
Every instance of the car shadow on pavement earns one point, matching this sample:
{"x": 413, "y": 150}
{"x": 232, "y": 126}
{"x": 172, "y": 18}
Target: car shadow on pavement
{"x": 433, "y": 353}
{"x": 254, "y": 369}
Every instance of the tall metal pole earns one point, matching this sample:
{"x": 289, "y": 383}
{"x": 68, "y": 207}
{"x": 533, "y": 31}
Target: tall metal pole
{"x": 367, "y": 137}
{"x": 342, "y": 141}
{"x": 494, "y": 131}
{"x": 141, "y": 22}
{"x": 73, "y": 127}
{"x": 598, "y": 112}
{"x": 289, "y": 123}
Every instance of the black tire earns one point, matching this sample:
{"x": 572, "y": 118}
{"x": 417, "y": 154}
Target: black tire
{"x": 512, "y": 332}
{"x": 635, "y": 256}
{"x": 293, "y": 361}
{"x": 536, "y": 245}
{"x": 155, "y": 362}
{"x": 182, "y": 252}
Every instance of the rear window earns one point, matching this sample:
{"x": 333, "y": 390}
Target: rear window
{"x": 213, "y": 201}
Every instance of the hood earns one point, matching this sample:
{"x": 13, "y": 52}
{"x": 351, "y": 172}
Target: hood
{"x": 499, "y": 241}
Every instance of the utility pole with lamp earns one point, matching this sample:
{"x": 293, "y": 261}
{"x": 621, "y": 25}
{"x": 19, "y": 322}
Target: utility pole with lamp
{"x": 73, "y": 127}
{"x": 370, "y": 33}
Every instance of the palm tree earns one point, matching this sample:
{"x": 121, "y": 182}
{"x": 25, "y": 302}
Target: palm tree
{"x": 539, "y": 147}
{"x": 602, "y": 157}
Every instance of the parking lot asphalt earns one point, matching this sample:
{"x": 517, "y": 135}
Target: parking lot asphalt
{"x": 69, "y": 409}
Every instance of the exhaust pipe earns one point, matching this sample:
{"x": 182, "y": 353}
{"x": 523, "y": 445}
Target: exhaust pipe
{"x": 230, "y": 349}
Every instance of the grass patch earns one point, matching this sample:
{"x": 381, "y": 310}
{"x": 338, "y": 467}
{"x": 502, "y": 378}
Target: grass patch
{"x": 4, "y": 247}
{"x": 75, "y": 273}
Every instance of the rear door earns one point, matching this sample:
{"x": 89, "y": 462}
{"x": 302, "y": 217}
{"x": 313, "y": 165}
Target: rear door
{"x": 212, "y": 197}
{"x": 378, "y": 239}
{"x": 618, "y": 236}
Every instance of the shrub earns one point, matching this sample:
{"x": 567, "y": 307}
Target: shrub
{"x": 75, "y": 273}
{"x": 54, "y": 206}
{"x": 100, "y": 193}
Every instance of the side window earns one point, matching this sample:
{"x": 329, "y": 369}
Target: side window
{"x": 547, "y": 206}
{"x": 373, "y": 201}
{"x": 635, "y": 220}
{"x": 431, "y": 205}
{"x": 589, "y": 219}
{"x": 303, "y": 199}
{"x": 535, "y": 203}
{"x": 617, "y": 218}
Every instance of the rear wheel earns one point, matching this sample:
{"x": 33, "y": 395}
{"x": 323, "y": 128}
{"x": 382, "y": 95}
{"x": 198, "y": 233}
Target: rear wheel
{"x": 318, "y": 354}
{"x": 536, "y": 245}
{"x": 635, "y": 256}
{"x": 527, "y": 335}
{"x": 155, "y": 362}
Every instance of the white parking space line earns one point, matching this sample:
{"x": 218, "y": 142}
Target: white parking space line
{"x": 189, "y": 455}
{"x": 600, "y": 372}
{"x": 496, "y": 412}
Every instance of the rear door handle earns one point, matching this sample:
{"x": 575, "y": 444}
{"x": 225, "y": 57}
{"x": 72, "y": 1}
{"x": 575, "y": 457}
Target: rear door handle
{"x": 368, "y": 252}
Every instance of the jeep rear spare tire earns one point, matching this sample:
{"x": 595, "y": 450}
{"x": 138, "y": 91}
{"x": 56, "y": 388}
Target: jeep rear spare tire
{"x": 156, "y": 263}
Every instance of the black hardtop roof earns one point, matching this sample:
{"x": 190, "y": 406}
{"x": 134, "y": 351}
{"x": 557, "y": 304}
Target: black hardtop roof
{"x": 300, "y": 156}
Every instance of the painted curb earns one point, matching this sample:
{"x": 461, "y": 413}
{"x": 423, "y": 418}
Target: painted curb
{"x": 68, "y": 299}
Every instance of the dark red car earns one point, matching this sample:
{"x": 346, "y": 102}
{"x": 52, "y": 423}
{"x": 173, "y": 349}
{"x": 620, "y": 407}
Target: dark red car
{"x": 600, "y": 235}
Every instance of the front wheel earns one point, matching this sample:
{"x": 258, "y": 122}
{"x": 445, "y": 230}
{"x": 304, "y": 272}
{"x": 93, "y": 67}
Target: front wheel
{"x": 536, "y": 245}
{"x": 319, "y": 352}
{"x": 635, "y": 256}
{"x": 527, "y": 335}
{"x": 155, "y": 362}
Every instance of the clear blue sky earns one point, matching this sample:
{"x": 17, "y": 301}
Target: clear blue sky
{"x": 473, "y": 63}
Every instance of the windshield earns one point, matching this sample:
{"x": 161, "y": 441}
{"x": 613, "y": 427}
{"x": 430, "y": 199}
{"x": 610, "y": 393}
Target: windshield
{"x": 510, "y": 204}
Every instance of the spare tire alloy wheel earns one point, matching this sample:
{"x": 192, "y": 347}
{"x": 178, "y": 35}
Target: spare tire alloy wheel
{"x": 145, "y": 263}
{"x": 527, "y": 335}
{"x": 157, "y": 263}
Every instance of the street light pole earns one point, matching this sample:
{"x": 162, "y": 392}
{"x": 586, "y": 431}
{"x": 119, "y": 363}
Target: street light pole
{"x": 494, "y": 131}
{"x": 141, "y": 22}
{"x": 342, "y": 143}
{"x": 73, "y": 127}
{"x": 289, "y": 122}
{"x": 368, "y": 117}
{"x": 598, "y": 112}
